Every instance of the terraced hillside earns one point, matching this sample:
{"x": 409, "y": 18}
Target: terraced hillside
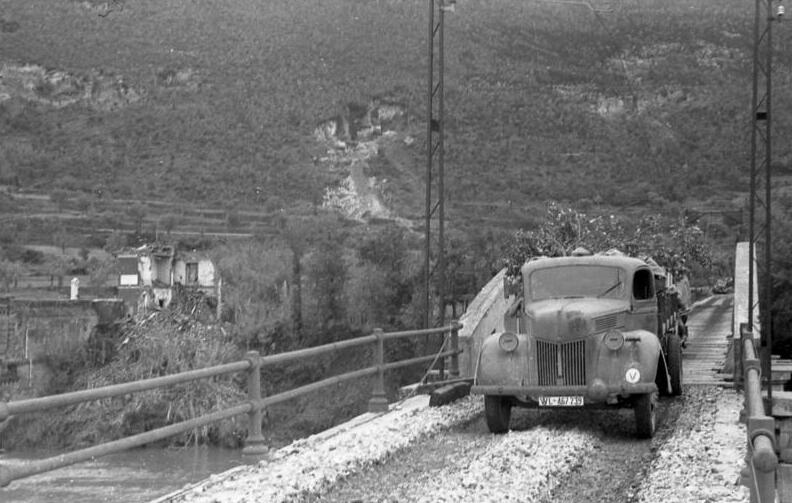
{"x": 215, "y": 103}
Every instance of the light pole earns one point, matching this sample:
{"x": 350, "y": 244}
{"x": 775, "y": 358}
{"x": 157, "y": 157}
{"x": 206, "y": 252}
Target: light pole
{"x": 434, "y": 253}
{"x": 761, "y": 121}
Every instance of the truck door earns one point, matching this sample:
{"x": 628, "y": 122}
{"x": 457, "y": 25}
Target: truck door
{"x": 644, "y": 302}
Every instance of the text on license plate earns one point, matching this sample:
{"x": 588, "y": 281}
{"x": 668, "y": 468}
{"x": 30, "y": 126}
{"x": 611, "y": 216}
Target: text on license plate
{"x": 560, "y": 401}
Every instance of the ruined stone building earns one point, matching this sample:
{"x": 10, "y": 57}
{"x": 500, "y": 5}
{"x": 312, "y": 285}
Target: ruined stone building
{"x": 149, "y": 274}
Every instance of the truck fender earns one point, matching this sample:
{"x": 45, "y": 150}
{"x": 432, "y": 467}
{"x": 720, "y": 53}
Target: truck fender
{"x": 498, "y": 367}
{"x": 641, "y": 350}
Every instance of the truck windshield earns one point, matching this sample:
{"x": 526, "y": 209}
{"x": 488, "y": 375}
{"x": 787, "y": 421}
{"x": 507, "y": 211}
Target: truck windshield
{"x": 577, "y": 281}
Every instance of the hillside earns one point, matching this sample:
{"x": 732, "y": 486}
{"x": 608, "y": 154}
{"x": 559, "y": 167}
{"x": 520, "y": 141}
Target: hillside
{"x": 215, "y": 103}
{"x": 170, "y": 119}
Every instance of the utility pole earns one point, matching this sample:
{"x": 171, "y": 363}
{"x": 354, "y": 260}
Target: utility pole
{"x": 434, "y": 252}
{"x": 761, "y": 160}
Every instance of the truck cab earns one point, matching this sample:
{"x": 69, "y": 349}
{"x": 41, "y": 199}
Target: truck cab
{"x": 584, "y": 331}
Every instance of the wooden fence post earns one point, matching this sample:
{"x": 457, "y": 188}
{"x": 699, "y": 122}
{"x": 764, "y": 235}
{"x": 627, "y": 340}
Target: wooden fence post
{"x": 379, "y": 401}
{"x": 254, "y": 443}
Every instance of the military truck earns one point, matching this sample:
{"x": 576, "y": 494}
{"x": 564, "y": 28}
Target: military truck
{"x": 585, "y": 331}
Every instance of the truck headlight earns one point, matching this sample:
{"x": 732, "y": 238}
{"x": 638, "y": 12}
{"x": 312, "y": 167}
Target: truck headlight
{"x": 614, "y": 340}
{"x": 508, "y": 341}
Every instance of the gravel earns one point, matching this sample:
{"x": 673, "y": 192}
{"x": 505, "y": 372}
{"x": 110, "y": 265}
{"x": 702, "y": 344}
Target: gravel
{"x": 420, "y": 454}
{"x": 311, "y": 465}
{"x": 702, "y": 459}
{"x": 517, "y": 466}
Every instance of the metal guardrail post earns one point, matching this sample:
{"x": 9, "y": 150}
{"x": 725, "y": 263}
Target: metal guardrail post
{"x": 737, "y": 349}
{"x": 453, "y": 372}
{"x": 763, "y": 459}
{"x": 254, "y": 443}
{"x": 379, "y": 401}
{"x": 441, "y": 363}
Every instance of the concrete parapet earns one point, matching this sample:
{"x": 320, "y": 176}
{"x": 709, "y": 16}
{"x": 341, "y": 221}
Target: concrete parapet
{"x": 483, "y": 317}
{"x": 741, "y": 267}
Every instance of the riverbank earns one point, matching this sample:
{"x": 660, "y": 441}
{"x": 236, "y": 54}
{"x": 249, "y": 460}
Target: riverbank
{"x": 135, "y": 476}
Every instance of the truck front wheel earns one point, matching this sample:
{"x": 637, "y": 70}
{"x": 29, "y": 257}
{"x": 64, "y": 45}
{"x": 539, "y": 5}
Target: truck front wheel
{"x": 497, "y": 409}
{"x": 645, "y": 415}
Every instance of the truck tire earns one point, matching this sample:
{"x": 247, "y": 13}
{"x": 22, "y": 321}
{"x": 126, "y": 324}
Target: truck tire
{"x": 674, "y": 361}
{"x": 497, "y": 410}
{"x": 645, "y": 415}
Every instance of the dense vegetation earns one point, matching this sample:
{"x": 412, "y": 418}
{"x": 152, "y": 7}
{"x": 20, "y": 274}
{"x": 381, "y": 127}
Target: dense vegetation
{"x": 632, "y": 114}
{"x": 672, "y": 242}
{"x": 637, "y": 103}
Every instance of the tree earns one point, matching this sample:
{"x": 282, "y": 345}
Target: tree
{"x": 137, "y": 213}
{"x": 673, "y": 243}
{"x": 368, "y": 294}
{"x": 84, "y": 203}
{"x": 101, "y": 270}
{"x": 460, "y": 273}
{"x": 300, "y": 235}
{"x": 232, "y": 219}
{"x": 255, "y": 288}
{"x": 328, "y": 274}
{"x": 61, "y": 238}
{"x": 115, "y": 242}
{"x": 59, "y": 198}
{"x": 296, "y": 239}
{"x": 393, "y": 272}
{"x": 168, "y": 223}
{"x": 10, "y": 273}
{"x": 58, "y": 267}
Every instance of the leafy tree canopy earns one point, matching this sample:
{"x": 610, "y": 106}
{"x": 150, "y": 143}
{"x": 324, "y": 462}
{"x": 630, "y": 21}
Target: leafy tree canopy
{"x": 673, "y": 243}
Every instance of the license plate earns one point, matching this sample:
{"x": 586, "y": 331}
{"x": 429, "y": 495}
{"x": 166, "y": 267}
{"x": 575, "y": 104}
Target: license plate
{"x": 560, "y": 401}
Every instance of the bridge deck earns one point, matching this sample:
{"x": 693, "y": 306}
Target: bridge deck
{"x": 709, "y": 331}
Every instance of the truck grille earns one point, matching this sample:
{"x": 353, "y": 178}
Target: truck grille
{"x": 561, "y": 364}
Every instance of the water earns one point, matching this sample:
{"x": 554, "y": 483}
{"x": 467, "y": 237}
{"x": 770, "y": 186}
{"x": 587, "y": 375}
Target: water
{"x": 139, "y": 475}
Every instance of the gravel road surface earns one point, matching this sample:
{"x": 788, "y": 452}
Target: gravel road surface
{"x": 419, "y": 454}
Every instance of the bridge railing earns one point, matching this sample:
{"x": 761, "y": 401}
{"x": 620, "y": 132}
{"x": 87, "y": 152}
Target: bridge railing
{"x": 252, "y": 364}
{"x": 761, "y": 460}
{"x": 761, "y": 463}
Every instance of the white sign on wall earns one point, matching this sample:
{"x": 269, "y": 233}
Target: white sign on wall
{"x": 128, "y": 280}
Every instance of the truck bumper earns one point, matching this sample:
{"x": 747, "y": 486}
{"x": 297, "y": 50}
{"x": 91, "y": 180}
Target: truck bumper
{"x": 621, "y": 389}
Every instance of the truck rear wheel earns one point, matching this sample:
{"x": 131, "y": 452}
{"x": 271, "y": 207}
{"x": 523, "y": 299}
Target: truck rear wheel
{"x": 497, "y": 409}
{"x": 674, "y": 360}
{"x": 645, "y": 415}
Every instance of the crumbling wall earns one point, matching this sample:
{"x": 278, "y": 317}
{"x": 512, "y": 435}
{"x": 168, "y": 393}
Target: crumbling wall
{"x": 39, "y": 332}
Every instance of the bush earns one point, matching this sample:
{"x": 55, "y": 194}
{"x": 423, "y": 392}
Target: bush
{"x": 156, "y": 348}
